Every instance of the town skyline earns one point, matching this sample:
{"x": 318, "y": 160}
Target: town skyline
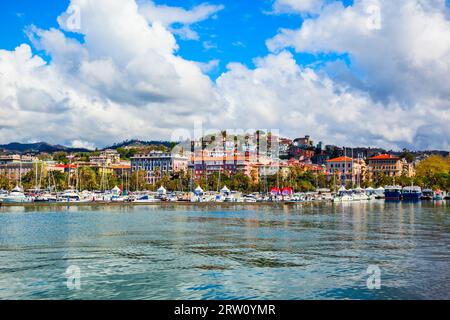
{"x": 7, "y": 146}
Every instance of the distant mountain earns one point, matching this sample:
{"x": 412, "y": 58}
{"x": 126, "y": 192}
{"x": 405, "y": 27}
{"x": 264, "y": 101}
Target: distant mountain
{"x": 139, "y": 143}
{"x": 16, "y": 147}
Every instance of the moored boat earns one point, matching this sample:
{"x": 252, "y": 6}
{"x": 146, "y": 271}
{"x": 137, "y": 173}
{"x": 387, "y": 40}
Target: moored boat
{"x": 411, "y": 193}
{"x": 146, "y": 199}
{"x": 393, "y": 193}
{"x": 16, "y": 196}
{"x": 343, "y": 195}
{"x": 69, "y": 195}
{"x": 438, "y": 195}
{"x": 379, "y": 193}
{"x": 427, "y": 194}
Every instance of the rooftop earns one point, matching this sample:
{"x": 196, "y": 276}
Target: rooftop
{"x": 384, "y": 157}
{"x": 341, "y": 159}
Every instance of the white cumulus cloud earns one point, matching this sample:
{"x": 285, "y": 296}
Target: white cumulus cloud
{"x": 122, "y": 77}
{"x": 168, "y": 16}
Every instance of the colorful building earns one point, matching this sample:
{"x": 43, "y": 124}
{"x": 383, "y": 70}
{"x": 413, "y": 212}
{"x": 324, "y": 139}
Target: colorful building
{"x": 157, "y": 163}
{"x": 208, "y": 164}
{"x": 106, "y": 158}
{"x": 346, "y": 169}
{"x": 386, "y": 164}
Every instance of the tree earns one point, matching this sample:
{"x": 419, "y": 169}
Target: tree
{"x": 164, "y": 181}
{"x": 137, "y": 181}
{"x": 432, "y": 165}
{"x": 111, "y": 180}
{"x": 61, "y": 157}
{"x": 434, "y": 172}
{"x": 127, "y": 154}
{"x": 334, "y": 181}
{"x": 58, "y": 180}
{"x": 366, "y": 179}
{"x": 382, "y": 180}
{"x": 240, "y": 182}
{"x": 88, "y": 179}
{"x": 83, "y": 156}
{"x": 5, "y": 183}
{"x": 407, "y": 155}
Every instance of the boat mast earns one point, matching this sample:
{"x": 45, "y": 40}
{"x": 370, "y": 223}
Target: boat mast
{"x": 20, "y": 173}
{"x": 36, "y": 177}
{"x": 345, "y": 168}
{"x": 352, "y": 169}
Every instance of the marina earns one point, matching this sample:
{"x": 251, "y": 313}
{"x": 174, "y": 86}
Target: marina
{"x": 284, "y": 196}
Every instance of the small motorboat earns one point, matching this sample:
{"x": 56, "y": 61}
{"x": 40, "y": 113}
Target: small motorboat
{"x": 438, "y": 195}
{"x": 427, "y": 194}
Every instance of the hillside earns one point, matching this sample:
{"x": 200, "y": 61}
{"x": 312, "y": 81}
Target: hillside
{"x": 38, "y": 147}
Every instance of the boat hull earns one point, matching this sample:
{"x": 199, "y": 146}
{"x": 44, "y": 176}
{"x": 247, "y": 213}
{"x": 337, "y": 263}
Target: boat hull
{"x": 393, "y": 195}
{"x": 412, "y": 196}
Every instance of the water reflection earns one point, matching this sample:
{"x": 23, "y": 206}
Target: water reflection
{"x": 314, "y": 251}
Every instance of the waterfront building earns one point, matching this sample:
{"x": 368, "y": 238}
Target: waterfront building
{"x": 119, "y": 170}
{"x": 5, "y": 159}
{"x": 386, "y": 164}
{"x": 15, "y": 170}
{"x": 408, "y": 169}
{"x": 320, "y": 158}
{"x": 304, "y": 142}
{"x": 302, "y": 148}
{"x": 348, "y": 170}
{"x": 106, "y": 158}
{"x": 15, "y": 166}
{"x": 210, "y": 163}
{"x": 283, "y": 147}
{"x": 285, "y": 167}
{"x": 157, "y": 163}
{"x": 16, "y": 158}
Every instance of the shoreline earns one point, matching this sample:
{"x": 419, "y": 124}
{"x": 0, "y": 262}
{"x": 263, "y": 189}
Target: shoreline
{"x": 162, "y": 203}
{"x": 180, "y": 203}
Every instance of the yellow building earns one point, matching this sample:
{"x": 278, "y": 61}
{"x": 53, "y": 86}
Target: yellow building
{"x": 386, "y": 164}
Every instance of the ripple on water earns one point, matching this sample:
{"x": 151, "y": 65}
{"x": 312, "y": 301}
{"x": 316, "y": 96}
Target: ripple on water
{"x": 188, "y": 252}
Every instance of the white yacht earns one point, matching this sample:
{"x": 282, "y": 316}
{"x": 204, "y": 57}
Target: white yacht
{"x": 69, "y": 195}
{"x": 16, "y": 196}
{"x": 359, "y": 194}
{"x": 343, "y": 195}
{"x": 146, "y": 199}
{"x": 249, "y": 198}
{"x": 45, "y": 197}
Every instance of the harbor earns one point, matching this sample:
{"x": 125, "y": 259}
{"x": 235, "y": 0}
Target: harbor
{"x": 286, "y": 196}
{"x": 311, "y": 250}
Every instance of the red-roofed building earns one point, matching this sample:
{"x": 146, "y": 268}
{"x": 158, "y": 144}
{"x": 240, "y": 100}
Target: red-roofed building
{"x": 386, "y": 164}
{"x": 348, "y": 170}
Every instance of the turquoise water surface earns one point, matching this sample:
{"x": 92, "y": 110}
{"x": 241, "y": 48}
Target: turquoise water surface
{"x": 308, "y": 251}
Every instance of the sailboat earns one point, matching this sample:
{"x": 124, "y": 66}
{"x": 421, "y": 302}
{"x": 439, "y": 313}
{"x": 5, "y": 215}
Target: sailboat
{"x": 343, "y": 195}
{"x": 16, "y": 196}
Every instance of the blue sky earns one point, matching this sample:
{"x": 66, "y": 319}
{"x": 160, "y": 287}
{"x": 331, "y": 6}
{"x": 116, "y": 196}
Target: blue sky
{"x": 238, "y": 33}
